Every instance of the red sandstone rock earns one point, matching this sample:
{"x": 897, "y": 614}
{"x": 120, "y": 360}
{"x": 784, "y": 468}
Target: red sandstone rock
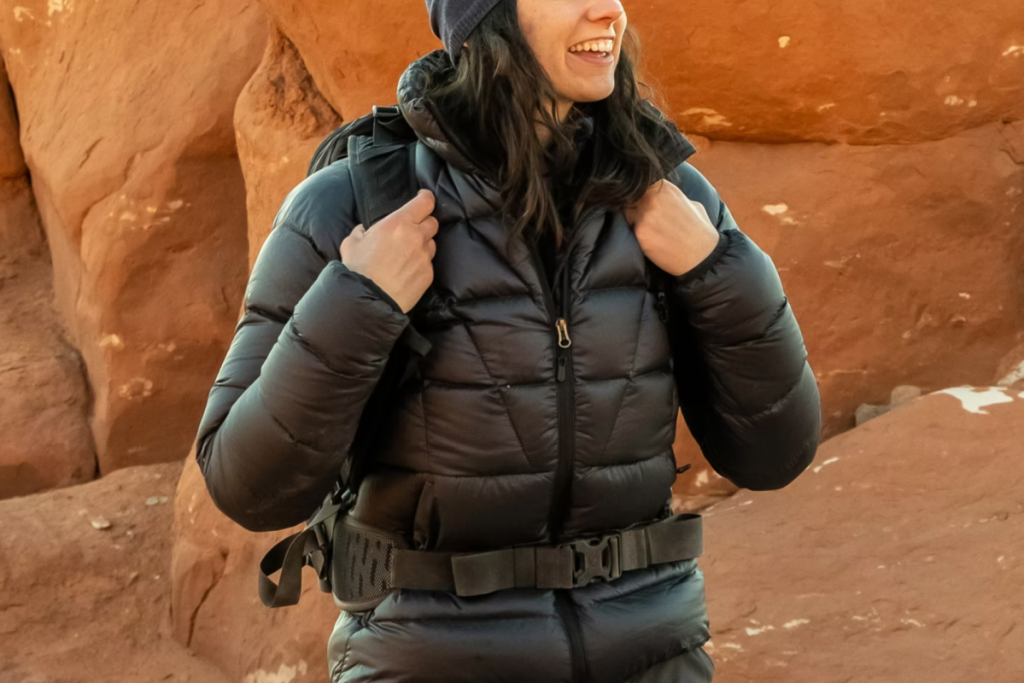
{"x": 12, "y": 162}
{"x": 868, "y": 72}
{"x": 125, "y": 112}
{"x": 19, "y": 220}
{"x": 43, "y": 397}
{"x": 355, "y": 51}
{"x": 904, "y": 263}
{"x": 897, "y": 557}
{"x": 280, "y": 119}
{"x": 80, "y": 604}
{"x": 216, "y": 610}
{"x": 1010, "y": 372}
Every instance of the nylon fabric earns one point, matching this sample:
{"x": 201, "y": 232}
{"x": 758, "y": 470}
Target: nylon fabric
{"x": 468, "y": 457}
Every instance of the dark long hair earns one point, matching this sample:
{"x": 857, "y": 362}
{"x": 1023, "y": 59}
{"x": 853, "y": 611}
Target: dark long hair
{"x": 496, "y": 95}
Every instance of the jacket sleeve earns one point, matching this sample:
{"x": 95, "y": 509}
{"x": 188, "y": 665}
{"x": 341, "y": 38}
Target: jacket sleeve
{"x": 746, "y": 390}
{"x": 307, "y": 353}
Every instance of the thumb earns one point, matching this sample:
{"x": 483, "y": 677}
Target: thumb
{"x": 354, "y": 236}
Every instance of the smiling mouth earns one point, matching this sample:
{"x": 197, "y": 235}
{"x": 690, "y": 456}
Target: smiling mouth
{"x": 602, "y": 47}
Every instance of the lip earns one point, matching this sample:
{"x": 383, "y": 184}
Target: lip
{"x": 601, "y": 59}
{"x": 596, "y": 59}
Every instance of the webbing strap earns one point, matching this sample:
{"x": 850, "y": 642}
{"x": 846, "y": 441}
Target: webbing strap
{"x": 383, "y": 178}
{"x": 567, "y": 566}
{"x": 289, "y": 556}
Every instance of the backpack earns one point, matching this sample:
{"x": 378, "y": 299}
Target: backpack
{"x": 379, "y": 148}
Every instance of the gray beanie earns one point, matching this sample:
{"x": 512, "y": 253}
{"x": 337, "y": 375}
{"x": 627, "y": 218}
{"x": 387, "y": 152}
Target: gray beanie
{"x": 453, "y": 20}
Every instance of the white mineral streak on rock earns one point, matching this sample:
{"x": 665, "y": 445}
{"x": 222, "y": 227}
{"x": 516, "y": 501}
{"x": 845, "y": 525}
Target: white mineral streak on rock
{"x": 711, "y": 117}
{"x": 53, "y": 6}
{"x": 975, "y": 399}
{"x": 759, "y": 630}
{"x": 284, "y": 674}
{"x": 827, "y": 462}
{"x": 1013, "y": 376}
{"x": 112, "y": 340}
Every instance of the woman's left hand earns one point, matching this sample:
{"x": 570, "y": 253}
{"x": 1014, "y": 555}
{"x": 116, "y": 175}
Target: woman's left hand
{"x": 674, "y": 232}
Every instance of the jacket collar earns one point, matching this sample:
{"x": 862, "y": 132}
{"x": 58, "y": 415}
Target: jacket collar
{"x": 428, "y": 123}
{"x": 422, "y": 114}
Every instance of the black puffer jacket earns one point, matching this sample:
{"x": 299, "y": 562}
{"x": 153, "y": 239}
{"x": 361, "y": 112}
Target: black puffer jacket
{"x": 493, "y": 446}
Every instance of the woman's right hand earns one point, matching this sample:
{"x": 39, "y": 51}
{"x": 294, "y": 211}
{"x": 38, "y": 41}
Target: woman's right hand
{"x": 398, "y": 253}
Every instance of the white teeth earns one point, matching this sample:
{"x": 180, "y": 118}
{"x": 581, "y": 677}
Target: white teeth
{"x": 594, "y": 46}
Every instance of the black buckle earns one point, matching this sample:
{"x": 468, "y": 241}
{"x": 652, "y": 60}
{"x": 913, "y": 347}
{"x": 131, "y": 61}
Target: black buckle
{"x": 595, "y": 559}
{"x": 318, "y": 548}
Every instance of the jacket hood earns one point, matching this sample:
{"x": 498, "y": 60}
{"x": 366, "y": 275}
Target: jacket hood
{"x": 422, "y": 113}
{"x": 423, "y": 116}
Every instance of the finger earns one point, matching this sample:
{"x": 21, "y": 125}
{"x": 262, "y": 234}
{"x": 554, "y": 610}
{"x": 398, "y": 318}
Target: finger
{"x": 355, "y": 233}
{"x": 429, "y": 226}
{"x": 354, "y": 236}
{"x": 419, "y": 207}
{"x": 701, "y": 210}
{"x": 431, "y": 249}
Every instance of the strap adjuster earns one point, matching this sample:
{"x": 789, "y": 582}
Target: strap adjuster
{"x": 595, "y": 559}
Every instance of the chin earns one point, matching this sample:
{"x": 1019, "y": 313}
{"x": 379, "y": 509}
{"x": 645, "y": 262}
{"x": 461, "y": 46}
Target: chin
{"x": 594, "y": 94}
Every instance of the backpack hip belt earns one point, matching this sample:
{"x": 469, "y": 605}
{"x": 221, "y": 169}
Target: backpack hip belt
{"x": 572, "y": 564}
{"x": 361, "y": 565}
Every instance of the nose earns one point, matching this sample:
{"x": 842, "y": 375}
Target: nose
{"x": 605, "y": 11}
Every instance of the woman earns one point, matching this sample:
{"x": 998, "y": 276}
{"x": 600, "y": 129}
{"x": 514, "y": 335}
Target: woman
{"x": 545, "y": 410}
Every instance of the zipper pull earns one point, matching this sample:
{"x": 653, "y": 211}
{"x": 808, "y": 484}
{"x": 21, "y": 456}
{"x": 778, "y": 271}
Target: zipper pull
{"x": 561, "y": 368}
{"x": 563, "y": 333}
{"x": 662, "y": 307}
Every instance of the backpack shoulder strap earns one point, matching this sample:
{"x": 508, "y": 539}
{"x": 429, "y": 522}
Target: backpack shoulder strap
{"x": 383, "y": 166}
{"x": 383, "y": 173}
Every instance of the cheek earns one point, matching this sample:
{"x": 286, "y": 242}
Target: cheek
{"x": 532, "y": 24}
{"x": 545, "y": 46}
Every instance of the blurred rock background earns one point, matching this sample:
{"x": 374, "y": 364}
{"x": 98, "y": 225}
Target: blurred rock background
{"x": 875, "y": 151}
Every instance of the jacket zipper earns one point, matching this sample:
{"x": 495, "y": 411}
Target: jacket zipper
{"x": 563, "y": 369}
{"x": 566, "y": 440}
{"x": 566, "y": 416}
{"x": 562, "y": 344}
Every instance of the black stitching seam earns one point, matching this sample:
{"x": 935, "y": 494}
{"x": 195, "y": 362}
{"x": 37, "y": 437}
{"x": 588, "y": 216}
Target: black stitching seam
{"x": 504, "y": 403}
{"x": 306, "y": 236}
{"x": 264, "y": 313}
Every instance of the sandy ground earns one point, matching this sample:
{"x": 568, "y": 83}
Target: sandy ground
{"x": 80, "y": 603}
